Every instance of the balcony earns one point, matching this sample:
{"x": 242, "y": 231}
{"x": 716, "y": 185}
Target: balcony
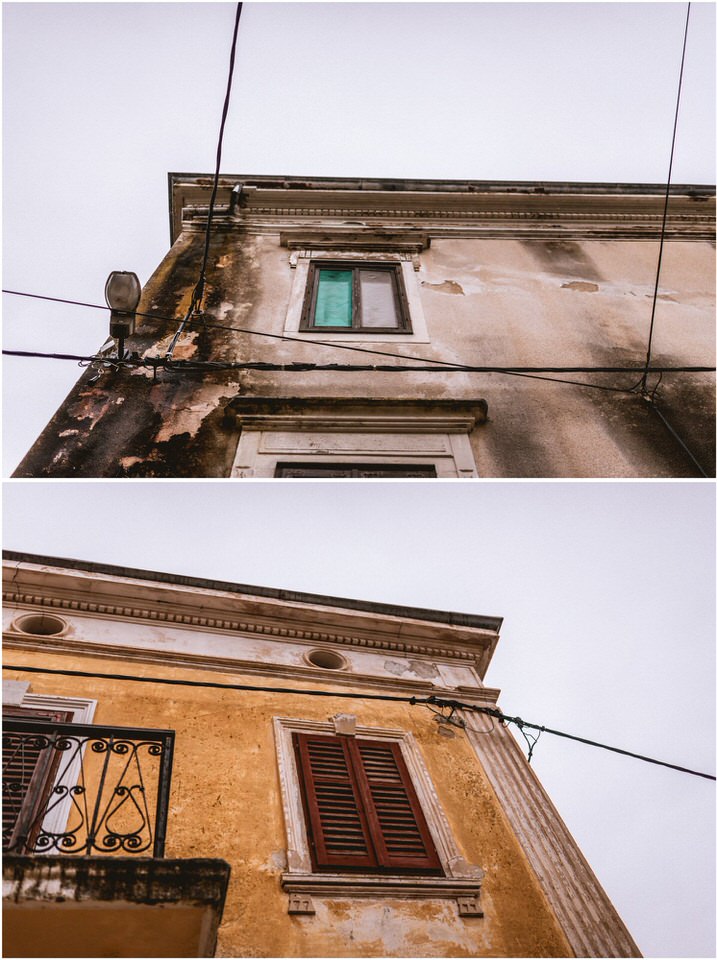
{"x": 85, "y": 812}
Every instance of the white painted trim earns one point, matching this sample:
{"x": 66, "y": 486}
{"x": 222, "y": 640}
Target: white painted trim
{"x": 587, "y": 917}
{"x": 441, "y": 442}
{"x": 83, "y": 711}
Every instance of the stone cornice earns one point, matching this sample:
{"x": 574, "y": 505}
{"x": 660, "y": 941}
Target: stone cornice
{"x": 316, "y": 678}
{"x": 353, "y": 237}
{"x": 585, "y": 209}
{"x": 31, "y": 567}
{"x": 235, "y": 666}
{"x": 334, "y": 424}
{"x": 67, "y": 591}
{"x": 212, "y": 624}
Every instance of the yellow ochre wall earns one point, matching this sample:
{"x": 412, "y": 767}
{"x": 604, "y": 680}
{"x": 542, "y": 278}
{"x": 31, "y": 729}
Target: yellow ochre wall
{"x": 225, "y": 802}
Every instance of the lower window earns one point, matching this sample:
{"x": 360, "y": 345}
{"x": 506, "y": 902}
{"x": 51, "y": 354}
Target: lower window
{"x": 354, "y": 470}
{"x": 29, "y": 770}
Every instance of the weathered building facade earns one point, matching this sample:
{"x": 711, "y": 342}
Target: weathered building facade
{"x": 552, "y": 282}
{"x": 143, "y": 707}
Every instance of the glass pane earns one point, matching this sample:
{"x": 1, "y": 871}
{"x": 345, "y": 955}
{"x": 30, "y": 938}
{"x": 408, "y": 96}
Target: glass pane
{"x": 378, "y": 303}
{"x": 333, "y": 300}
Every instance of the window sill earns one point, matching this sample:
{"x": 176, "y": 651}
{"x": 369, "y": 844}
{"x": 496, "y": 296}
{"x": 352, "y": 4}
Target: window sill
{"x": 301, "y": 886}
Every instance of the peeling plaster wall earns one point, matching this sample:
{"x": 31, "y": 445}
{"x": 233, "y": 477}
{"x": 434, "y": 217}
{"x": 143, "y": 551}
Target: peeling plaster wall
{"x": 225, "y": 802}
{"x": 131, "y": 424}
{"x": 512, "y": 302}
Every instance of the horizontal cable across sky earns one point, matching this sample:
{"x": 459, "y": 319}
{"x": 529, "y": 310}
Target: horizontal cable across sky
{"x": 413, "y": 701}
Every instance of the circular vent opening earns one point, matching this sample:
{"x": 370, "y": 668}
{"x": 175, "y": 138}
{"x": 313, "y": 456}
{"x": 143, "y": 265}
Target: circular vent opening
{"x": 40, "y": 624}
{"x": 326, "y": 659}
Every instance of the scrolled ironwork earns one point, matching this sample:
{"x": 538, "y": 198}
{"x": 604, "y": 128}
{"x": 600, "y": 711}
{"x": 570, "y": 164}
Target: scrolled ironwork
{"x": 83, "y": 789}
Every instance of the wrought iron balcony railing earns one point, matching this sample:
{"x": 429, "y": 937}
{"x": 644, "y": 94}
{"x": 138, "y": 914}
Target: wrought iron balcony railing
{"x": 82, "y": 789}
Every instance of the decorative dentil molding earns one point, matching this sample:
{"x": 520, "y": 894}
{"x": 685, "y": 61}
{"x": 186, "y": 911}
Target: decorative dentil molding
{"x": 275, "y": 631}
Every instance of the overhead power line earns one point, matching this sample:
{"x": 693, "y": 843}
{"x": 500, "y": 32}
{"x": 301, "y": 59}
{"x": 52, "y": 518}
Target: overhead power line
{"x": 449, "y": 364}
{"x": 678, "y": 438}
{"x": 413, "y": 701}
{"x": 266, "y": 365}
{"x": 432, "y": 365}
{"x": 667, "y": 201}
{"x": 192, "y": 366}
{"x": 195, "y": 305}
{"x": 529, "y": 372}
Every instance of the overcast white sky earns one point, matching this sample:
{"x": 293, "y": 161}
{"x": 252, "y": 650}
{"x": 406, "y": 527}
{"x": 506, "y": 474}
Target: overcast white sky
{"x": 101, "y": 101}
{"x": 607, "y": 593}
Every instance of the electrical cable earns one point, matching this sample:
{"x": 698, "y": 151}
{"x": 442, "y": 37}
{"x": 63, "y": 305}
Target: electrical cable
{"x": 446, "y": 364}
{"x": 199, "y": 289}
{"x": 261, "y": 365}
{"x": 193, "y": 366}
{"x": 277, "y": 336}
{"x": 353, "y": 695}
{"x": 698, "y": 465}
{"x": 667, "y": 200}
{"x": 195, "y": 305}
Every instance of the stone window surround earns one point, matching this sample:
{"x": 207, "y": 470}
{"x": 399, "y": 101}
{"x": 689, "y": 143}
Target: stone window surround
{"x": 462, "y": 880}
{"x": 390, "y": 438}
{"x": 300, "y": 261}
{"x": 14, "y": 693}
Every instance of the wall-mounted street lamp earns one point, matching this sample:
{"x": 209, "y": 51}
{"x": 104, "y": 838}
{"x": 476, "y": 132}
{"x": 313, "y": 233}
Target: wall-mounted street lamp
{"x": 122, "y": 293}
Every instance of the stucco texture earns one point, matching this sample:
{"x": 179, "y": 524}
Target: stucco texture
{"x": 226, "y": 802}
{"x": 486, "y": 301}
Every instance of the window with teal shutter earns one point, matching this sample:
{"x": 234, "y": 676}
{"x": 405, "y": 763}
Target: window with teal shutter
{"x": 334, "y": 299}
{"x": 356, "y": 297}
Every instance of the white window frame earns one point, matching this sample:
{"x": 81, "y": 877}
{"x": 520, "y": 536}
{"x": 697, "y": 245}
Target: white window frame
{"x": 441, "y": 442}
{"x": 462, "y": 880}
{"x": 83, "y": 711}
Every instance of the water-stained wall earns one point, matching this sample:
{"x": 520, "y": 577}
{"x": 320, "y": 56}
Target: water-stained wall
{"x": 529, "y": 295}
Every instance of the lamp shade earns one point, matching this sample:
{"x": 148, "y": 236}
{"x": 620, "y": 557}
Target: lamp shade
{"x": 123, "y": 290}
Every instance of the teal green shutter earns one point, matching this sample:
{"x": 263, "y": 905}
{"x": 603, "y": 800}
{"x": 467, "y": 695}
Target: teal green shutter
{"x": 334, "y": 299}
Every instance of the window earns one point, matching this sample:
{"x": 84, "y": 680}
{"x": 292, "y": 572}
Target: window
{"x": 28, "y": 772}
{"x": 361, "y": 810}
{"x": 343, "y": 296}
{"x": 363, "y": 818}
{"x": 354, "y": 470}
{"x": 31, "y": 770}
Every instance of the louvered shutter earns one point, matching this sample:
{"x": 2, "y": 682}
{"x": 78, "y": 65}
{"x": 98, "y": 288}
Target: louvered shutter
{"x": 398, "y": 826}
{"x": 27, "y": 775}
{"x": 361, "y": 808}
{"x": 338, "y": 831}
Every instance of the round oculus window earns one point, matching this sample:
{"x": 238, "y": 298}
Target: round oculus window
{"x": 326, "y": 659}
{"x": 40, "y": 624}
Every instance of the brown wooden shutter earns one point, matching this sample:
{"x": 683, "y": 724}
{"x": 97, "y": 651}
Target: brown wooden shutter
{"x": 399, "y": 828}
{"x": 27, "y": 775}
{"x": 361, "y": 808}
{"x": 338, "y": 831}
